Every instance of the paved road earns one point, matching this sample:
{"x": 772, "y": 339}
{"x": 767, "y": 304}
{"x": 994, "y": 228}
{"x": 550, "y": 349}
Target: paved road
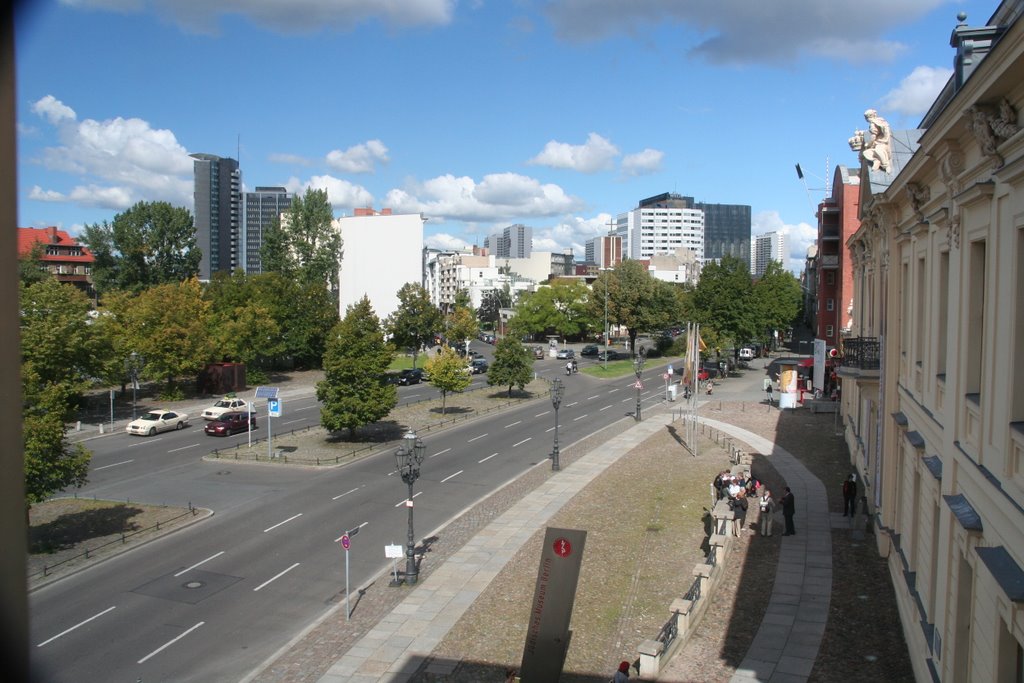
{"x": 209, "y": 602}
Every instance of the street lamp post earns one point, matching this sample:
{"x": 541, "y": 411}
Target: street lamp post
{"x": 557, "y": 389}
{"x": 408, "y": 458}
{"x": 638, "y": 368}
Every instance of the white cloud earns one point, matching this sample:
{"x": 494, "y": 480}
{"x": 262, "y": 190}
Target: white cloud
{"x": 744, "y": 32}
{"x": 798, "y": 237}
{"x": 361, "y": 158}
{"x": 916, "y": 93}
{"x": 288, "y": 16}
{"x": 643, "y": 163}
{"x": 443, "y": 240}
{"x": 130, "y": 158}
{"x": 290, "y": 159}
{"x": 596, "y": 154}
{"x": 499, "y": 196}
{"x": 340, "y": 193}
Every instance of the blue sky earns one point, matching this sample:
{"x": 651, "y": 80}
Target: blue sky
{"x": 478, "y": 113}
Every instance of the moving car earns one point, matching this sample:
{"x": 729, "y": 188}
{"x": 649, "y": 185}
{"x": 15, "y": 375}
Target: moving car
{"x": 566, "y": 354}
{"x": 225, "y": 405}
{"x": 610, "y": 355}
{"x": 479, "y": 366}
{"x": 538, "y": 352}
{"x": 157, "y": 421}
{"x": 590, "y": 350}
{"x": 746, "y": 353}
{"x": 410, "y": 376}
{"x": 230, "y": 423}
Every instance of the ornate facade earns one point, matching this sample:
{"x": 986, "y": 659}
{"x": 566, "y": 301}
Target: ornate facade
{"x": 935, "y": 422}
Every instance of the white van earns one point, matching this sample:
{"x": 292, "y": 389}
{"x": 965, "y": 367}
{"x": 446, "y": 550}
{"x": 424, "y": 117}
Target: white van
{"x": 747, "y": 353}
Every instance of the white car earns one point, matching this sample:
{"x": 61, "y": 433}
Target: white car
{"x": 157, "y": 421}
{"x": 225, "y": 405}
{"x": 746, "y": 353}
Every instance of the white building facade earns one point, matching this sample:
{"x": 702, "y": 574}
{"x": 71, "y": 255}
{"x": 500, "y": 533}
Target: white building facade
{"x": 649, "y": 230}
{"x": 380, "y": 254}
{"x": 771, "y": 246}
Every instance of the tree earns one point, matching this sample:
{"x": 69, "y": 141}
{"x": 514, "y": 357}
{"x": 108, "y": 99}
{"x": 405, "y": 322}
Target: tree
{"x": 151, "y": 243}
{"x": 304, "y": 245}
{"x": 355, "y": 390}
{"x": 51, "y": 463}
{"x": 630, "y": 290}
{"x": 242, "y": 328}
{"x": 415, "y": 322}
{"x": 305, "y": 314}
{"x": 778, "y": 298}
{"x": 448, "y": 373}
{"x": 30, "y": 266}
{"x": 461, "y": 326}
{"x": 512, "y": 366}
{"x": 534, "y": 314}
{"x": 168, "y": 326}
{"x": 491, "y": 304}
{"x": 724, "y": 301}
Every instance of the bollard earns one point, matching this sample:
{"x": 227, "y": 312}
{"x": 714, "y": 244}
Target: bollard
{"x": 101, "y": 427}
{"x": 78, "y": 426}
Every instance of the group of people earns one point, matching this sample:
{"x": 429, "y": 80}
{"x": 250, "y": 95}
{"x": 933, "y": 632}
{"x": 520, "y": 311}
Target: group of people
{"x": 742, "y": 489}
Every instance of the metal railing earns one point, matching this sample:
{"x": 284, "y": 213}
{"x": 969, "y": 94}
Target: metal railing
{"x": 693, "y": 593}
{"x": 863, "y": 353}
{"x": 669, "y": 632}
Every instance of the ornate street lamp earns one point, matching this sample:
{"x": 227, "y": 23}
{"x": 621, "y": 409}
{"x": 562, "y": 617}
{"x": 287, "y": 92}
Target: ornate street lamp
{"x": 408, "y": 459}
{"x": 638, "y": 368}
{"x": 132, "y": 365}
{"x": 557, "y": 389}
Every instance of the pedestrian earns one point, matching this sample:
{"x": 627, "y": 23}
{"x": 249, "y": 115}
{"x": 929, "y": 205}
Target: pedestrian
{"x": 850, "y": 496}
{"x": 622, "y": 675}
{"x": 788, "y": 509}
{"x": 767, "y": 507}
{"x": 739, "y": 513}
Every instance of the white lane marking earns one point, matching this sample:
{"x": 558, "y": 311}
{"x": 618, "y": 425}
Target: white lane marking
{"x": 284, "y": 522}
{"x": 542, "y": 414}
{"x": 412, "y": 395}
{"x": 591, "y": 398}
{"x": 148, "y": 440}
{"x": 578, "y": 418}
{"x": 183, "y": 448}
{"x": 290, "y": 422}
{"x": 123, "y": 462}
{"x": 338, "y": 539}
{"x": 572, "y": 404}
{"x": 295, "y": 410}
{"x": 439, "y": 453}
{"x": 452, "y": 476}
{"x": 170, "y": 642}
{"x": 612, "y": 391}
{"x": 522, "y": 442}
{"x": 406, "y": 500}
{"x": 199, "y": 563}
{"x": 275, "y": 578}
{"x": 476, "y": 437}
{"x": 81, "y": 623}
{"x": 345, "y": 494}
{"x": 487, "y": 458}
{"x": 549, "y": 429}
{"x": 513, "y": 424}
{"x": 625, "y": 399}
{"x": 605, "y": 408}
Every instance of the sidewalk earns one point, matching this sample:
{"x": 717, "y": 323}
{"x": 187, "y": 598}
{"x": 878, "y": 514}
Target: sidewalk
{"x": 784, "y": 649}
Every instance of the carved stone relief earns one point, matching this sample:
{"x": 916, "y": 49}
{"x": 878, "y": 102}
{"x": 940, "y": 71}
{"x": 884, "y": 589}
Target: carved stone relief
{"x": 919, "y": 196}
{"x": 991, "y": 126}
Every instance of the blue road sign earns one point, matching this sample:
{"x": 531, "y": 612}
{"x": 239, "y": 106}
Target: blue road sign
{"x": 274, "y": 407}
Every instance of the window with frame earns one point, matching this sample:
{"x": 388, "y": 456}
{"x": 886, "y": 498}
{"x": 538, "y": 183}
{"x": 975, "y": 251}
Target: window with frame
{"x": 830, "y": 331}
{"x": 830, "y": 278}
{"x": 830, "y": 304}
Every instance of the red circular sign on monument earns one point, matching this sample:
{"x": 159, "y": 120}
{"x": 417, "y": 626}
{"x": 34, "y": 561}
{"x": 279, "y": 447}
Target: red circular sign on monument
{"x": 562, "y": 547}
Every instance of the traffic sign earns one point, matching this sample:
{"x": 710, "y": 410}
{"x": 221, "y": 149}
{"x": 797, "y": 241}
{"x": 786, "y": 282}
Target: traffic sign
{"x": 274, "y": 407}
{"x": 666, "y": 375}
{"x": 638, "y": 385}
{"x": 346, "y": 541}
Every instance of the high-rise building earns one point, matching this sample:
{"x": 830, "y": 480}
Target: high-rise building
{"x": 661, "y": 225}
{"x": 218, "y": 213}
{"x": 726, "y": 231}
{"x": 259, "y": 211}
{"x": 604, "y": 251}
{"x": 771, "y": 246}
{"x": 515, "y": 241}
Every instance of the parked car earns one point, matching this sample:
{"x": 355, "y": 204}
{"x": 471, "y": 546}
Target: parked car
{"x": 566, "y": 354}
{"x": 479, "y": 366}
{"x": 610, "y": 355}
{"x": 157, "y": 421}
{"x": 231, "y": 423}
{"x": 538, "y": 352}
{"x": 746, "y": 353}
{"x": 225, "y": 405}
{"x": 589, "y": 350}
{"x": 410, "y": 376}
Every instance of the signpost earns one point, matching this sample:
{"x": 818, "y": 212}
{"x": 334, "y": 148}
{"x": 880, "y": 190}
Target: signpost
{"x": 394, "y": 553}
{"x": 273, "y": 410}
{"x": 346, "y": 543}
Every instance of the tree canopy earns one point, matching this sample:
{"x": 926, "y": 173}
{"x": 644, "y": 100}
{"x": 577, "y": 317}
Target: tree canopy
{"x": 448, "y": 374}
{"x": 304, "y": 245}
{"x": 635, "y": 300}
{"x": 355, "y": 391}
{"x": 723, "y": 300}
{"x": 415, "y": 322}
{"x": 152, "y": 243}
{"x": 512, "y": 366}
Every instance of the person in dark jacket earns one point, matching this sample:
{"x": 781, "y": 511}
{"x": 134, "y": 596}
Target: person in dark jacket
{"x": 850, "y": 496}
{"x": 788, "y": 510}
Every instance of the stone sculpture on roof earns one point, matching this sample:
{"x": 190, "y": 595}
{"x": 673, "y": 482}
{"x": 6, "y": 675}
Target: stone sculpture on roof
{"x": 876, "y": 151}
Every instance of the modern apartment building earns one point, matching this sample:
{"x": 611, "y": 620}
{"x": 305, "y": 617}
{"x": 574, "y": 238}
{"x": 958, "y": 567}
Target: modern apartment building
{"x": 260, "y": 209}
{"x": 933, "y": 374}
{"x": 515, "y": 241}
{"x": 218, "y": 213}
{"x": 771, "y": 246}
{"x": 364, "y": 272}
{"x": 726, "y": 231}
{"x": 661, "y": 225}
{"x": 604, "y": 251}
